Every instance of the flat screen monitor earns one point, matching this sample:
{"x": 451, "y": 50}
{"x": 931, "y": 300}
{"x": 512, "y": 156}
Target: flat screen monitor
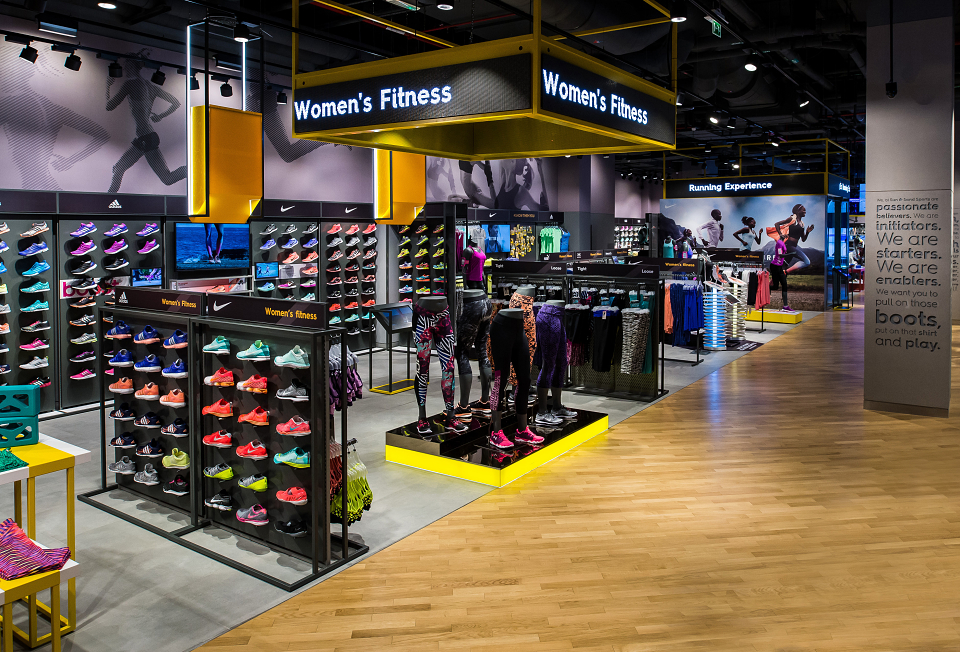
{"x": 498, "y": 238}
{"x": 211, "y": 247}
{"x": 146, "y": 277}
{"x": 266, "y": 270}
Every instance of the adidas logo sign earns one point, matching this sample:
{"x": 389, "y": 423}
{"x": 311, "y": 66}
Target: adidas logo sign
{"x": 115, "y": 204}
{"x": 123, "y": 298}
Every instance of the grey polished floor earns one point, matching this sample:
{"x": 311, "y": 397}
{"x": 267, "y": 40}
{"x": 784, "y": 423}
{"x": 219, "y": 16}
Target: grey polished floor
{"x": 139, "y": 592}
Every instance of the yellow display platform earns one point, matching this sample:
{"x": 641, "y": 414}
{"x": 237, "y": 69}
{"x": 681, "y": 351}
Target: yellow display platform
{"x": 488, "y": 475}
{"x": 775, "y": 317}
{"x": 404, "y": 385}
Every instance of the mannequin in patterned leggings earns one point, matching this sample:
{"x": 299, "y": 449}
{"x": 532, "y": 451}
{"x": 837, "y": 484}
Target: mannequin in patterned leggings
{"x": 552, "y": 339}
{"x": 433, "y": 325}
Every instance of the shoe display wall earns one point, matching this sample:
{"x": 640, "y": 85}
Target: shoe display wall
{"x": 151, "y": 390}
{"x": 94, "y": 257}
{"x": 349, "y": 261}
{"x": 424, "y": 258}
{"x": 293, "y": 245}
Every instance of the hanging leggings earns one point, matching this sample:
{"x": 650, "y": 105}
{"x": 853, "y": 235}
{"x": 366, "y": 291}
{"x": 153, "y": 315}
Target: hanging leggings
{"x": 434, "y": 327}
{"x": 509, "y": 345}
{"x": 779, "y": 279}
{"x": 552, "y": 340}
{"x": 473, "y": 330}
{"x": 525, "y": 303}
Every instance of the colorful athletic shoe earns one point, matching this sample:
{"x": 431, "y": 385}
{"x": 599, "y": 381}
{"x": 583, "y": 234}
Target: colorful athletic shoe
{"x": 150, "y": 449}
{"x": 177, "y": 370}
{"x": 269, "y": 244}
{"x": 255, "y": 515}
{"x": 256, "y": 482}
{"x": 291, "y": 258}
{"x": 334, "y": 229}
{"x": 125, "y": 440}
{"x": 148, "y": 229}
{"x": 219, "y": 439}
{"x": 43, "y": 325}
{"x": 219, "y": 471}
{"x": 403, "y": 252}
{"x": 84, "y": 248}
{"x": 178, "y": 486}
{"x": 267, "y": 287}
{"x": 222, "y": 501}
{"x": 499, "y": 440}
{"x": 123, "y": 413}
{"x": 257, "y": 416}
{"x": 438, "y": 253}
{"x": 176, "y": 429}
{"x": 219, "y": 346}
{"x": 34, "y": 249}
{"x": 148, "y": 420}
{"x": 116, "y": 247}
{"x": 422, "y": 253}
{"x": 176, "y": 341}
{"x": 116, "y": 230}
{"x": 86, "y": 228}
{"x": 421, "y": 229}
{"x": 174, "y": 398}
{"x": 293, "y": 495}
{"x": 255, "y": 450}
{"x": 149, "y": 392}
{"x": 177, "y": 459}
{"x": 311, "y": 257}
{"x": 123, "y": 358}
{"x": 150, "y": 245}
{"x": 36, "y": 306}
{"x": 258, "y": 351}
{"x": 295, "y": 457}
{"x": 39, "y": 286}
{"x": 148, "y": 335}
{"x": 221, "y": 409}
{"x": 295, "y": 358}
{"x": 36, "y": 345}
{"x": 527, "y": 436}
{"x": 295, "y": 427}
{"x": 221, "y": 378}
{"x": 149, "y": 364}
{"x": 120, "y": 331}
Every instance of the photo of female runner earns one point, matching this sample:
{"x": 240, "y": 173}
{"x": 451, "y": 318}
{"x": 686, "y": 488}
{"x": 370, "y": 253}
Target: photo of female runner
{"x": 750, "y": 236}
{"x": 796, "y": 233}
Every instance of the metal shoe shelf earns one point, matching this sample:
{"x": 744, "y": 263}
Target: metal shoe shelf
{"x": 322, "y": 549}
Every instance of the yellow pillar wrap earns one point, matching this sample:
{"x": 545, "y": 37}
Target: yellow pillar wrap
{"x": 236, "y": 165}
{"x": 401, "y": 185}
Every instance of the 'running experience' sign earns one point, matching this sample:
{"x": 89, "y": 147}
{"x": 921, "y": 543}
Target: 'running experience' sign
{"x": 577, "y": 93}
{"x": 490, "y": 86}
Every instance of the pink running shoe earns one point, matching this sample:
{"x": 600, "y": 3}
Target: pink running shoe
{"x": 255, "y": 515}
{"x": 83, "y": 375}
{"x": 151, "y": 245}
{"x": 527, "y": 436}
{"x": 84, "y": 248}
{"x": 500, "y": 440}
{"x": 119, "y": 245}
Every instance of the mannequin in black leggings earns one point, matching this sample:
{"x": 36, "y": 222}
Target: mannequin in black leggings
{"x": 509, "y": 346}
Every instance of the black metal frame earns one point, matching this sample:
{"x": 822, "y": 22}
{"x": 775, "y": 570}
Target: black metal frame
{"x": 322, "y": 540}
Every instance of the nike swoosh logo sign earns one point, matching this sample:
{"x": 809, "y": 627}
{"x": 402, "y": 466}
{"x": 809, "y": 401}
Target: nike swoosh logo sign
{"x": 493, "y": 214}
{"x": 349, "y": 210}
{"x": 217, "y": 306}
{"x": 284, "y": 209}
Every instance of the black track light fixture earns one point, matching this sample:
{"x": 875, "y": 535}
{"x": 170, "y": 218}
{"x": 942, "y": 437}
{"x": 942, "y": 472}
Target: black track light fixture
{"x": 678, "y": 12}
{"x": 29, "y": 53}
{"x": 241, "y": 33}
{"x": 445, "y": 5}
{"x": 72, "y": 63}
{"x": 281, "y": 98}
{"x": 732, "y": 123}
{"x": 194, "y": 83}
{"x": 158, "y": 78}
{"x": 115, "y": 70}
{"x": 226, "y": 90}
{"x": 707, "y": 149}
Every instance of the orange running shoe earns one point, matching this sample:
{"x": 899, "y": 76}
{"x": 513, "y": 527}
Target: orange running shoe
{"x": 293, "y": 495}
{"x": 222, "y": 378}
{"x": 4, "y": 328}
{"x": 255, "y": 383}
{"x": 371, "y": 302}
{"x": 258, "y": 417}
{"x": 309, "y": 271}
{"x": 221, "y": 408}
{"x": 294, "y": 427}
{"x": 310, "y": 257}
{"x": 149, "y": 392}
{"x": 292, "y": 258}
{"x": 219, "y": 439}
{"x": 122, "y": 386}
{"x": 174, "y": 398}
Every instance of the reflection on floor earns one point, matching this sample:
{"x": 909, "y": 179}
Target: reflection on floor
{"x": 761, "y": 508}
{"x": 141, "y": 593}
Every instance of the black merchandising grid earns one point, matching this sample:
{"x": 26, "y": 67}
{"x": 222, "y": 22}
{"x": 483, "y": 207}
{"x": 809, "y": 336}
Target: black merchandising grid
{"x": 337, "y": 275}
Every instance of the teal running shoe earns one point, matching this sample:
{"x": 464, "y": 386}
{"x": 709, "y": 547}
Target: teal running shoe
{"x": 257, "y": 351}
{"x": 335, "y": 320}
{"x": 219, "y": 345}
{"x": 295, "y": 358}
{"x": 295, "y": 457}
{"x": 353, "y": 318}
{"x": 36, "y": 306}
{"x": 35, "y": 270}
{"x": 39, "y": 286}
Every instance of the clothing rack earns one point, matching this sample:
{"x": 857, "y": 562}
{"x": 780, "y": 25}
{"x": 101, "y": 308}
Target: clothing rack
{"x": 683, "y": 277}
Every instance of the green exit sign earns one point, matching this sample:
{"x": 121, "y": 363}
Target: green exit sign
{"x": 716, "y": 27}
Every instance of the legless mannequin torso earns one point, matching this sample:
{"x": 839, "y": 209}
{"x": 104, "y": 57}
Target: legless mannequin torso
{"x": 433, "y": 304}
{"x": 527, "y": 290}
{"x": 559, "y": 303}
{"x": 474, "y": 295}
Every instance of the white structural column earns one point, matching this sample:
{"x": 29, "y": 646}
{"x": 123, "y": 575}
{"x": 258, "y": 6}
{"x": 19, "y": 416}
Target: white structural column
{"x": 909, "y": 211}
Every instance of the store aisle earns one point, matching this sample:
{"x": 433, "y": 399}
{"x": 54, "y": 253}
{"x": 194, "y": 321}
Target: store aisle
{"x": 758, "y": 508}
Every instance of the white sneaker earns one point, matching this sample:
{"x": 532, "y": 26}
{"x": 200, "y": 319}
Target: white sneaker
{"x": 547, "y": 419}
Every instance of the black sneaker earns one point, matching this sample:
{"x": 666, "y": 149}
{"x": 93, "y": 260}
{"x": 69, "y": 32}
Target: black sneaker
{"x": 176, "y": 429}
{"x": 148, "y": 420}
{"x": 353, "y": 331}
{"x": 85, "y": 302}
{"x": 86, "y": 266}
{"x": 310, "y": 229}
{"x": 3, "y": 347}
{"x": 297, "y": 391}
{"x": 37, "y": 326}
{"x": 463, "y": 412}
{"x": 221, "y": 501}
{"x": 352, "y": 292}
{"x": 84, "y": 284}
{"x": 369, "y": 291}
{"x": 334, "y": 295}
{"x": 481, "y": 409}
{"x": 178, "y": 486}
{"x": 86, "y": 320}
{"x": 119, "y": 263}
{"x": 295, "y": 528}
{"x": 123, "y": 413}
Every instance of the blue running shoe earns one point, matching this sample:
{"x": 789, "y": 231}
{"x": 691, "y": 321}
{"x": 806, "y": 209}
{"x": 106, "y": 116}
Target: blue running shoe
{"x": 120, "y": 331}
{"x": 148, "y": 420}
{"x": 39, "y": 286}
{"x": 117, "y": 229}
{"x": 3, "y": 246}
{"x": 86, "y": 228}
{"x": 335, "y": 320}
{"x": 267, "y": 287}
{"x": 123, "y": 358}
{"x": 3, "y": 268}
{"x": 125, "y": 440}
{"x": 148, "y": 364}
{"x": 34, "y": 249}
{"x": 289, "y": 244}
{"x": 176, "y": 341}
{"x": 177, "y": 370}
{"x": 269, "y": 244}
{"x": 36, "y": 269}
{"x": 148, "y": 335}
{"x": 36, "y": 306}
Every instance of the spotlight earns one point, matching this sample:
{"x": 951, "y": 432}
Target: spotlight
{"x": 445, "y": 5}
{"x": 678, "y": 12}
{"x": 158, "y": 78}
{"x": 732, "y": 123}
{"x": 72, "y": 63}
{"x": 106, "y": 5}
{"x": 714, "y": 119}
{"x": 29, "y": 53}
{"x": 226, "y": 90}
{"x": 57, "y": 24}
{"x": 194, "y": 83}
{"x": 735, "y": 166}
{"x": 802, "y": 99}
{"x": 707, "y": 149}
{"x": 753, "y": 63}
{"x": 241, "y": 33}
{"x": 281, "y": 98}
{"x": 679, "y": 99}
{"x": 115, "y": 70}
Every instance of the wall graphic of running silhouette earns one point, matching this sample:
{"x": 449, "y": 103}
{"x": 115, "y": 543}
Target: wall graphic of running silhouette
{"x": 84, "y": 131}
{"x": 805, "y": 259}
{"x": 518, "y": 184}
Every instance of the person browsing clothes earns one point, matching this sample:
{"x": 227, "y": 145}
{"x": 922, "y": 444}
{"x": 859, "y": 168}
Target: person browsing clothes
{"x": 713, "y": 230}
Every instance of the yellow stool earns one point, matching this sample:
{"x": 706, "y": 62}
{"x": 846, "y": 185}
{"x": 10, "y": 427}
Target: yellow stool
{"x": 28, "y": 587}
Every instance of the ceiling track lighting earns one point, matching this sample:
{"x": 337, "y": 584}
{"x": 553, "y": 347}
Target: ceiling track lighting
{"x": 752, "y": 63}
{"x": 226, "y": 90}
{"x": 158, "y": 78}
{"x": 106, "y": 5}
{"x": 72, "y": 63}
{"x": 29, "y": 53}
{"x": 678, "y": 12}
{"x": 281, "y": 98}
{"x": 194, "y": 83}
{"x": 445, "y": 5}
{"x": 714, "y": 119}
{"x": 732, "y": 123}
{"x": 115, "y": 70}
{"x": 241, "y": 33}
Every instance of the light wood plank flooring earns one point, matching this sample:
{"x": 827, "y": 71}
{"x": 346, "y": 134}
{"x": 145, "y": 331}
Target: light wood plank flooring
{"x": 759, "y": 509}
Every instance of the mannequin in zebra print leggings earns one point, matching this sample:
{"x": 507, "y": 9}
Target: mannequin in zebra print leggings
{"x": 433, "y": 326}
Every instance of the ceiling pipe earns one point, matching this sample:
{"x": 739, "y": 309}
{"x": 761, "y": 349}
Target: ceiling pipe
{"x": 799, "y": 64}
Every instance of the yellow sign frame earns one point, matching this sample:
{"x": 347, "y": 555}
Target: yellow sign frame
{"x": 511, "y": 134}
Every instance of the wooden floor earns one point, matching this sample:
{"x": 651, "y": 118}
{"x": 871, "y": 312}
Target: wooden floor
{"x": 759, "y": 509}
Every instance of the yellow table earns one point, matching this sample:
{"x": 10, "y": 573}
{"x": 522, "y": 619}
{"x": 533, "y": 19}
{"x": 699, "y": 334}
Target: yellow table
{"x": 47, "y": 456}
{"x": 27, "y": 588}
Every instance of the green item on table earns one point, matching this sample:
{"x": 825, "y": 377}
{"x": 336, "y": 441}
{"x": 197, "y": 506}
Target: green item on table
{"x": 9, "y": 461}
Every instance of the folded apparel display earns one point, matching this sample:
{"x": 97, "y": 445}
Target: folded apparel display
{"x": 19, "y": 556}
{"x": 9, "y": 461}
